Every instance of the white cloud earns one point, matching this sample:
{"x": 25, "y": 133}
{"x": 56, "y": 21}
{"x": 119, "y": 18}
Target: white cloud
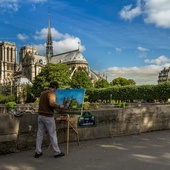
{"x": 40, "y": 48}
{"x": 159, "y": 60}
{"x": 158, "y": 12}
{"x": 155, "y": 12}
{"x": 128, "y": 13}
{"x": 141, "y": 75}
{"x": 142, "y": 52}
{"x": 22, "y": 37}
{"x": 13, "y": 5}
{"x": 147, "y": 74}
{"x": 142, "y": 49}
{"x": 61, "y": 42}
{"x": 10, "y": 5}
{"x": 68, "y": 44}
{"x": 42, "y": 34}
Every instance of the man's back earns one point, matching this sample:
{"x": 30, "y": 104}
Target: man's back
{"x": 44, "y": 104}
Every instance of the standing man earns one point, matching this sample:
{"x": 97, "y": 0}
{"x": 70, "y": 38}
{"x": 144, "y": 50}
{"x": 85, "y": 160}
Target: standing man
{"x": 46, "y": 120}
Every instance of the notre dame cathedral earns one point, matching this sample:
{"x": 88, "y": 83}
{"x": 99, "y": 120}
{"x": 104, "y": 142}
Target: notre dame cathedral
{"x": 31, "y": 63}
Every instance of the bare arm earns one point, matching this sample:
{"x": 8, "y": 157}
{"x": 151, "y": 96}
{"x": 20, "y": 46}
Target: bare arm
{"x": 52, "y": 101}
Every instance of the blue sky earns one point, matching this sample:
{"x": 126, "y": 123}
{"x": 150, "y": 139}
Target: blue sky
{"x": 118, "y": 38}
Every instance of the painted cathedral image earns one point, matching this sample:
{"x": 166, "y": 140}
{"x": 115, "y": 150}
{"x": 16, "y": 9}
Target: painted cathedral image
{"x": 31, "y": 63}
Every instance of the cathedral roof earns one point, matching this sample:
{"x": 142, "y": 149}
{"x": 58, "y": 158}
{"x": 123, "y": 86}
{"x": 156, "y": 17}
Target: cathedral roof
{"x": 71, "y": 56}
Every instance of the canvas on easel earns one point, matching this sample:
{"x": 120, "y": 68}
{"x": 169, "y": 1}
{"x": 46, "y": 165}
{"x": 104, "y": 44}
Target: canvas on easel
{"x": 72, "y": 99}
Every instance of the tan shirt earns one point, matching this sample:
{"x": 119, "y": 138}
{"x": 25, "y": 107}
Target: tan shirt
{"x": 47, "y": 103}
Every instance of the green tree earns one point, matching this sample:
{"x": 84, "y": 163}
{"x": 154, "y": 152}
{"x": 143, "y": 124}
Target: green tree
{"x": 131, "y": 82}
{"x": 7, "y": 90}
{"x": 102, "y": 84}
{"x": 81, "y": 80}
{"x": 120, "y": 81}
{"x": 51, "y": 72}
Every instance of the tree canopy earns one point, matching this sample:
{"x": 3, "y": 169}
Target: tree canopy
{"x": 102, "y": 84}
{"x": 51, "y": 72}
{"x": 81, "y": 80}
{"x": 120, "y": 81}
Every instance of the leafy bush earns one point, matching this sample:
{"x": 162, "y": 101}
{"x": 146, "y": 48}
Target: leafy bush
{"x": 86, "y": 105}
{"x": 37, "y": 101}
{"x": 10, "y": 106}
{"x": 6, "y": 99}
{"x": 2, "y": 98}
{"x": 96, "y": 105}
{"x": 10, "y": 98}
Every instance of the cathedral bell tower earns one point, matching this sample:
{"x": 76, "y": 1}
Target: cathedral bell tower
{"x": 8, "y": 64}
{"x": 49, "y": 43}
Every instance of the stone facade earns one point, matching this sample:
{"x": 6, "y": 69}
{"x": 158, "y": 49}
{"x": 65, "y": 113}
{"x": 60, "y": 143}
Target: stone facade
{"x": 8, "y": 62}
{"x": 19, "y": 133}
{"x": 31, "y": 62}
{"x": 164, "y": 75}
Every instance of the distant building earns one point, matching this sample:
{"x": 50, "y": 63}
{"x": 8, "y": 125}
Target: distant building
{"x": 164, "y": 75}
{"x": 8, "y": 64}
{"x": 31, "y": 63}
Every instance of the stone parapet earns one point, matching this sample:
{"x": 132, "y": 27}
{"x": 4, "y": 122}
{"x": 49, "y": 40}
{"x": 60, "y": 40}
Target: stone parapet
{"x": 19, "y": 133}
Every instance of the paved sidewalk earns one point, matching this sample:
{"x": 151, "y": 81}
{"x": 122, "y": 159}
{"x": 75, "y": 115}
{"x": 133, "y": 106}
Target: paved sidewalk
{"x": 146, "y": 151}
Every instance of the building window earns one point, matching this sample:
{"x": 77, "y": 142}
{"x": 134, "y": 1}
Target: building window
{"x": 11, "y": 55}
{"x": 7, "y": 54}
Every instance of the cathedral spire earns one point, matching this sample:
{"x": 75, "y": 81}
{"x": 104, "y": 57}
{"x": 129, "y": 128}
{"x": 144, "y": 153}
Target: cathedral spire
{"x": 49, "y": 42}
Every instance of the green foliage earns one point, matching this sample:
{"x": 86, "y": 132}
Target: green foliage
{"x": 10, "y": 106}
{"x": 27, "y": 93}
{"x": 131, "y": 82}
{"x": 74, "y": 104}
{"x": 86, "y": 105}
{"x": 7, "y": 90}
{"x": 96, "y": 105}
{"x": 86, "y": 97}
{"x": 120, "y": 81}
{"x": 51, "y": 72}
{"x": 5, "y": 99}
{"x": 122, "y": 104}
{"x": 37, "y": 101}
{"x": 163, "y": 91}
{"x": 93, "y": 94}
{"x": 131, "y": 92}
{"x": 102, "y": 84}
{"x": 2, "y": 98}
{"x": 10, "y": 98}
{"x": 81, "y": 80}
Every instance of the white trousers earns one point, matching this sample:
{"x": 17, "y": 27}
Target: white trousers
{"x": 47, "y": 123}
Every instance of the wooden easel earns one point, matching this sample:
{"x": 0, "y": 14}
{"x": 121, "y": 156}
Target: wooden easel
{"x": 69, "y": 120}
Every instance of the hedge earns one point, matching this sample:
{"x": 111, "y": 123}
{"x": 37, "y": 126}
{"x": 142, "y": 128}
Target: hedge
{"x": 129, "y": 93}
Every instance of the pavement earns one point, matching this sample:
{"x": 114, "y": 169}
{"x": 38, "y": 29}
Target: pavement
{"x": 145, "y": 151}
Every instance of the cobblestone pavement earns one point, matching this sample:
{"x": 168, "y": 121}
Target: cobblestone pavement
{"x": 146, "y": 151}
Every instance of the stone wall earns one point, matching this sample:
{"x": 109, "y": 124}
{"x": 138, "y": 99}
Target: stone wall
{"x": 19, "y": 133}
